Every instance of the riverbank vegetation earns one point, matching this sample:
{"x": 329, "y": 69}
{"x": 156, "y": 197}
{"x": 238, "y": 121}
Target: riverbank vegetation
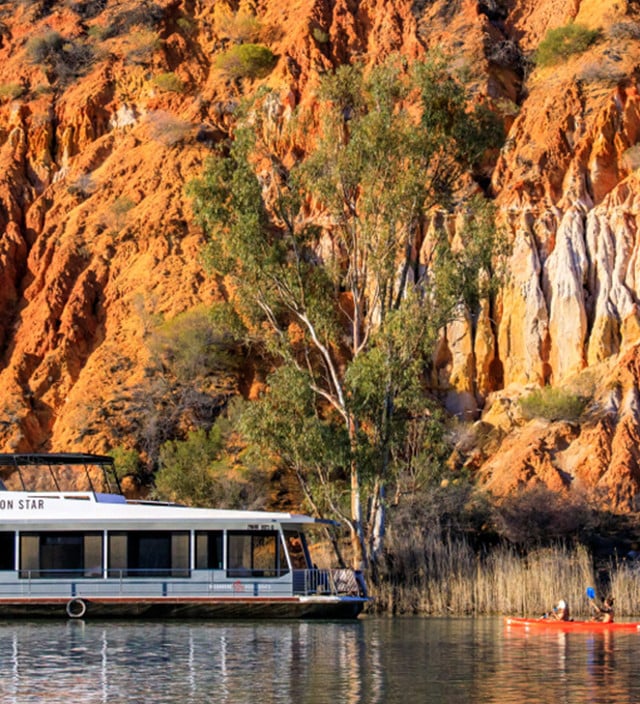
{"x": 458, "y": 552}
{"x": 347, "y": 302}
{"x": 445, "y": 576}
{"x": 435, "y": 575}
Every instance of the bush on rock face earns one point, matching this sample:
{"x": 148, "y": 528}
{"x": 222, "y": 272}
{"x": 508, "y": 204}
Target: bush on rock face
{"x": 553, "y": 404}
{"x": 64, "y": 59}
{"x": 247, "y": 61}
{"x": 562, "y": 42}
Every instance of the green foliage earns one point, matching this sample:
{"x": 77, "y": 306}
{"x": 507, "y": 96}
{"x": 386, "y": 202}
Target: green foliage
{"x": 11, "y": 91}
{"x": 353, "y": 325}
{"x": 196, "y": 472}
{"x": 285, "y": 424}
{"x": 127, "y": 462}
{"x": 247, "y": 61}
{"x": 199, "y": 342}
{"x": 320, "y": 35}
{"x": 169, "y": 82}
{"x": 475, "y": 267}
{"x": 562, "y": 42}
{"x": 98, "y": 32}
{"x": 188, "y": 469}
{"x": 194, "y": 369}
{"x": 553, "y": 403}
{"x": 186, "y": 25}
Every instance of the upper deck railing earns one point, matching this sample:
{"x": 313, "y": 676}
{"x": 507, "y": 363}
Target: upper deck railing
{"x": 176, "y": 582}
{"x": 99, "y": 475}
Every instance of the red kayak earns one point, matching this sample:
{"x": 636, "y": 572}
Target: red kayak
{"x": 550, "y": 624}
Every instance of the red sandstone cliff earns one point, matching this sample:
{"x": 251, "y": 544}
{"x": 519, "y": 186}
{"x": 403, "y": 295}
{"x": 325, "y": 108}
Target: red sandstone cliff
{"x": 97, "y": 245}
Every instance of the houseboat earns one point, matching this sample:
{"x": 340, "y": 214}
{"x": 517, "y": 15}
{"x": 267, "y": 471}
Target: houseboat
{"x": 91, "y": 552}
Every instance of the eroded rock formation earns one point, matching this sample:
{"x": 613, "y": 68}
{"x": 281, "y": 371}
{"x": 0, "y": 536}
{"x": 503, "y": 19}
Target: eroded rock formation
{"x": 97, "y": 243}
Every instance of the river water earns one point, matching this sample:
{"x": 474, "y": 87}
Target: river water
{"x": 372, "y": 660}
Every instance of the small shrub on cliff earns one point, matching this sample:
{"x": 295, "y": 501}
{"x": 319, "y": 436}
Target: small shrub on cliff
{"x": 247, "y": 61}
{"x": 167, "y": 128}
{"x": 625, "y": 30}
{"x": 142, "y": 45}
{"x": 87, "y": 9}
{"x": 11, "y": 91}
{"x": 143, "y": 15}
{"x": 562, "y": 42}
{"x": 186, "y": 25}
{"x": 44, "y": 47}
{"x": 553, "y": 404}
{"x": 242, "y": 26}
{"x": 63, "y": 59}
{"x": 602, "y": 72}
{"x": 169, "y": 82}
{"x": 320, "y": 35}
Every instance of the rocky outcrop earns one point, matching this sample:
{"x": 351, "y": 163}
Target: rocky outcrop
{"x": 97, "y": 245}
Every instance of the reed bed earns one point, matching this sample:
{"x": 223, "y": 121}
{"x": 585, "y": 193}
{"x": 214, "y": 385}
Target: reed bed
{"x": 624, "y": 587}
{"x": 438, "y": 575}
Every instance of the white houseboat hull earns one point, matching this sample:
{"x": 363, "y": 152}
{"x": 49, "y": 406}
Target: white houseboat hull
{"x": 89, "y": 554}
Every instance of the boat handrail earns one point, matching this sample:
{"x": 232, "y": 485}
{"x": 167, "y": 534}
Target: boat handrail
{"x": 306, "y": 582}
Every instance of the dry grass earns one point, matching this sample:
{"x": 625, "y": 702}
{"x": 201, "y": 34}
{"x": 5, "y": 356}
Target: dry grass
{"x": 625, "y": 588}
{"x": 446, "y": 576}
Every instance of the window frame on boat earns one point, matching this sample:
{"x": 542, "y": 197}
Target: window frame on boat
{"x": 238, "y": 553}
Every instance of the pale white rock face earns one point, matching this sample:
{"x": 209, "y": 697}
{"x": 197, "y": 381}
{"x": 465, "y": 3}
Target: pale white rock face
{"x": 524, "y": 327}
{"x": 565, "y": 274}
{"x": 614, "y": 279}
{"x": 488, "y": 368}
{"x": 125, "y": 116}
{"x": 570, "y": 301}
{"x": 460, "y": 399}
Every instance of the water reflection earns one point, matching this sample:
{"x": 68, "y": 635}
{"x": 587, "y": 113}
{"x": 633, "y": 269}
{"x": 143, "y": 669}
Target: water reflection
{"x": 177, "y": 662}
{"x": 371, "y": 661}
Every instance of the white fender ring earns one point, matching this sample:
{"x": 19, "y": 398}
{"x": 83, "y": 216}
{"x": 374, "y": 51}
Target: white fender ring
{"x": 76, "y": 608}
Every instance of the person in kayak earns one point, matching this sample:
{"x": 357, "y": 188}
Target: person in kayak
{"x": 603, "y": 613}
{"x": 561, "y": 611}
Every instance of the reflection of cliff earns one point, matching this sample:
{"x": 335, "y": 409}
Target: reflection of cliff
{"x": 98, "y": 137}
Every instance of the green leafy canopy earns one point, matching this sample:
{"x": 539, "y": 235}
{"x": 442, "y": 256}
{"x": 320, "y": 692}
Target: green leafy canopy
{"x": 349, "y": 296}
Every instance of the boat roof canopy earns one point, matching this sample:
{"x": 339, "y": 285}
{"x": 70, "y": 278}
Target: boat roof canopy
{"x": 53, "y": 460}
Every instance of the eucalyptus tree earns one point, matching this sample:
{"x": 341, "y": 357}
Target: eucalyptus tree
{"x": 341, "y": 262}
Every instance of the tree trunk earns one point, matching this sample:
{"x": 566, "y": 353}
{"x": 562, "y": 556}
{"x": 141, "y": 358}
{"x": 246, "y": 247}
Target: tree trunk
{"x": 378, "y": 521}
{"x": 360, "y": 561}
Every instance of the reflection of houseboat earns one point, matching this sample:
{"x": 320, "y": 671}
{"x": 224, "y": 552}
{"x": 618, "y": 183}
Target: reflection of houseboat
{"x": 92, "y": 551}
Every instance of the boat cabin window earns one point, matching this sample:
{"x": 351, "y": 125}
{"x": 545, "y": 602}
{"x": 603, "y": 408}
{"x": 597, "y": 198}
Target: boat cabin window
{"x": 255, "y": 554}
{"x": 149, "y": 554}
{"x": 7, "y": 551}
{"x": 209, "y": 550}
{"x": 297, "y": 549}
{"x": 60, "y": 554}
